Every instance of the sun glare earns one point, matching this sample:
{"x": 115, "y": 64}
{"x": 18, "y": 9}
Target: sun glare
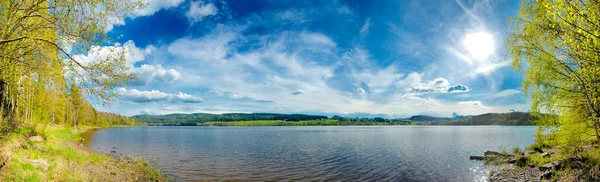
{"x": 480, "y": 45}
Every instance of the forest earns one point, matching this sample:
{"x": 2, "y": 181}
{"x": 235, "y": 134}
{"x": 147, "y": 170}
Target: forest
{"x": 41, "y": 79}
{"x": 270, "y": 119}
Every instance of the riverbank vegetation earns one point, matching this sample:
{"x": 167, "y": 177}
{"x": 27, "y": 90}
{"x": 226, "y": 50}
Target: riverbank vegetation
{"x": 55, "y": 153}
{"x": 44, "y": 84}
{"x": 556, "y": 44}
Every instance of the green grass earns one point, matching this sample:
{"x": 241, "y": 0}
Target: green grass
{"x": 67, "y": 161}
{"x": 275, "y": 123}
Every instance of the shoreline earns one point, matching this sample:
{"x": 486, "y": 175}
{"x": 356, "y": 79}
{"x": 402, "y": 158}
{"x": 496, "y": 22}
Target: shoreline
{"x": 50, "y": 152}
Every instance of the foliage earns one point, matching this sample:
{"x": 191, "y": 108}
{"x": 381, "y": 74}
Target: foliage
{"x": 38, "y": 41}
{"x": 557, "y": 45}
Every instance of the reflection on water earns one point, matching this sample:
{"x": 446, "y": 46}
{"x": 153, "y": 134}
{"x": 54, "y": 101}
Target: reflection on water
{"x": 347, "y": 153}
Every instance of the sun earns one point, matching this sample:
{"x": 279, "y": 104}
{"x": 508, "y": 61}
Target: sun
{"x": 479, "y": 44}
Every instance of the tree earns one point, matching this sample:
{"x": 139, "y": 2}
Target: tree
{"x": 38, "y": 39}
{"x": 556, "y": 43}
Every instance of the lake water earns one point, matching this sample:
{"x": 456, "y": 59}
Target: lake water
{"x": 323, "y": 153}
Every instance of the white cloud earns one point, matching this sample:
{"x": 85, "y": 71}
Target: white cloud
{"x": 279, "y": 65}
{"x": 137, "y": 96}
{"x": 149, "y": 73}
{"x": 291, "y": 15}
{"x": 235, "y": 96}
{"x": 149, "y": 112}
{"x": 198, "y": 10}
{"x": 506, "y": 93}
{"x": 212, "y": 47}
{"x": 132, "y": 54}
{"x": 316, "y": 39}
{"x": 438, "y": 85}
{"x": 154, "y": 6}
{"x": 365, "y": 28}
{"x": 486, "y": 68}
{"x": 360, "y": 90}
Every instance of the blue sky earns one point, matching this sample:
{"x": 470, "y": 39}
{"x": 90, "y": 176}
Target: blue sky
{"x": 352, "y": 58}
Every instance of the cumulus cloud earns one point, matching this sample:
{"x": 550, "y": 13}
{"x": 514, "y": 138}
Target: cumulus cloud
{"x": 149, "y": 73}
{"x": 280, "y": 66}
{"x": 132, "y": 54}
{"x": 137, "y": 96}
{"x": 438, "y": 85}
{"x": 198, "y": 10}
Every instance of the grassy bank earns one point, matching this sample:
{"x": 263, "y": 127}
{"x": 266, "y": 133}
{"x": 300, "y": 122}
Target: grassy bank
{"x": 545, "y": 161}
{"x": 55, "y": 153}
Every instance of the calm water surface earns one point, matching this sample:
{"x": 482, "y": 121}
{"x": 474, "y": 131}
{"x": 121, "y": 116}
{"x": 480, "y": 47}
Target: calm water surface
{"x": 345, "y": 153}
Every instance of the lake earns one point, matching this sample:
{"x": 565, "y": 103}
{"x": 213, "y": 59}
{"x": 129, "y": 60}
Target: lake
{"x": 323, "y": 153}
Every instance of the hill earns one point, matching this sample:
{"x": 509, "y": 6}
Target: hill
{"x": 513, "y": 118}
{"x": 199, "y": 118}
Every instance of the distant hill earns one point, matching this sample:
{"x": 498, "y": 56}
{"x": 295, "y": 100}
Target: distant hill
{"x": 424, "y": 118}
{"x": 198, "y": 118}
{"x": 513, "y": 118}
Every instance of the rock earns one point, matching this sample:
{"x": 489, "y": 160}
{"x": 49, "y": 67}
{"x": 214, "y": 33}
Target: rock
{"x": 546, "y": 175}
{"x": 545, "y": 154}
{"x": 538, "y": 150}
{"x": 521, "y": 161}
{"x": 486, "y": 153}
{"x": 549, "y": 166}
{"x": 36, "y": 138}
{"x": 478, "y": 158}
{"x": 532, "y": 165}
{"x": 38, "y": 163}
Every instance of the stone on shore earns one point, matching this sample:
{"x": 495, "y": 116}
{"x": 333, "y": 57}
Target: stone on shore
{"x": 549, "y": 166}
{"x": 538, "y": 150}
{"x": 36, "y": 138}
{"x": 545, "y": 155}
{"x": 486, "y": 153}
{"x": 547, "y": 175}
{"x": 478, "y": 158}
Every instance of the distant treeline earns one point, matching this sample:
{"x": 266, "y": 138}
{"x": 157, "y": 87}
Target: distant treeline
{"x": 199, "y": 118}
{"x": 513, "y": 118}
